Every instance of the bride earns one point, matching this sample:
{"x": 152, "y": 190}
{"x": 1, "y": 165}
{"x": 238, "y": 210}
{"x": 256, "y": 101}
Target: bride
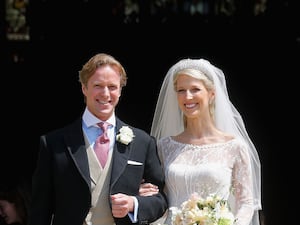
{"x": 203, "y": 144}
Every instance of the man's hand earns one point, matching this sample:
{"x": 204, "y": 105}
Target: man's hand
{"x": 121, "y": 205}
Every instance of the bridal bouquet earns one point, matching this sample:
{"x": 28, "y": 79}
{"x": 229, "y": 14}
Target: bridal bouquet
{"x": 199, "y": 211}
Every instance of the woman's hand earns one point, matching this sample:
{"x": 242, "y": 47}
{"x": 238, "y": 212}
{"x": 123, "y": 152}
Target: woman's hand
{"x": 147, "y": 189}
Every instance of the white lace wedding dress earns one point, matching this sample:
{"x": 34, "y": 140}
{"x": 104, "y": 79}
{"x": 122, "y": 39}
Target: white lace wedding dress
{"x": 220, "y": 168}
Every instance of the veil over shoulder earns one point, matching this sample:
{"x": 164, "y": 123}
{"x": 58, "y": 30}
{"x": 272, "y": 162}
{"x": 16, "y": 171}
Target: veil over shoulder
{"x": 168, "y": 118}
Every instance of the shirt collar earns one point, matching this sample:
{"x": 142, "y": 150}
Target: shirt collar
{"x": 90, "y": 120}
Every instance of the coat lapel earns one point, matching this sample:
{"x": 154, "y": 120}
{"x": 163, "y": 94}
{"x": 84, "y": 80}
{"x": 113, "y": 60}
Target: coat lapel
{"x": 75, "y": 143}
{"x": 120, "y": 155}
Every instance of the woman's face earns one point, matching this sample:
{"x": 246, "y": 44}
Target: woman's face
{"x": 193, "y": 97}
{"x": 8, "y": 212}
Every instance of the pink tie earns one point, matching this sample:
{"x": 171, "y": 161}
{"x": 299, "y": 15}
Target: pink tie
{"x": 101, "y": 146}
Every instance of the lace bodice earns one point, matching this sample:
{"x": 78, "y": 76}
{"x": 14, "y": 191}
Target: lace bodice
{"x": 220, "y": 168}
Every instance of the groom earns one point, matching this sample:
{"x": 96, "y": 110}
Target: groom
{"x": 69, "y": 184}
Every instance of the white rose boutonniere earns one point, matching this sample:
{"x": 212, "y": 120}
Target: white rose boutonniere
{"x": 125, "y": 135}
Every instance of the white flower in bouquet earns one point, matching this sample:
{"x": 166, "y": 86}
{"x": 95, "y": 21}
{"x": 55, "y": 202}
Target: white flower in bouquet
{"x": 199, "y": 211}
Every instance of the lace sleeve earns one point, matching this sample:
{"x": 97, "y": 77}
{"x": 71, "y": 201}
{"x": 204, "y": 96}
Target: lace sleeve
{"x": 242, "y": 189}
